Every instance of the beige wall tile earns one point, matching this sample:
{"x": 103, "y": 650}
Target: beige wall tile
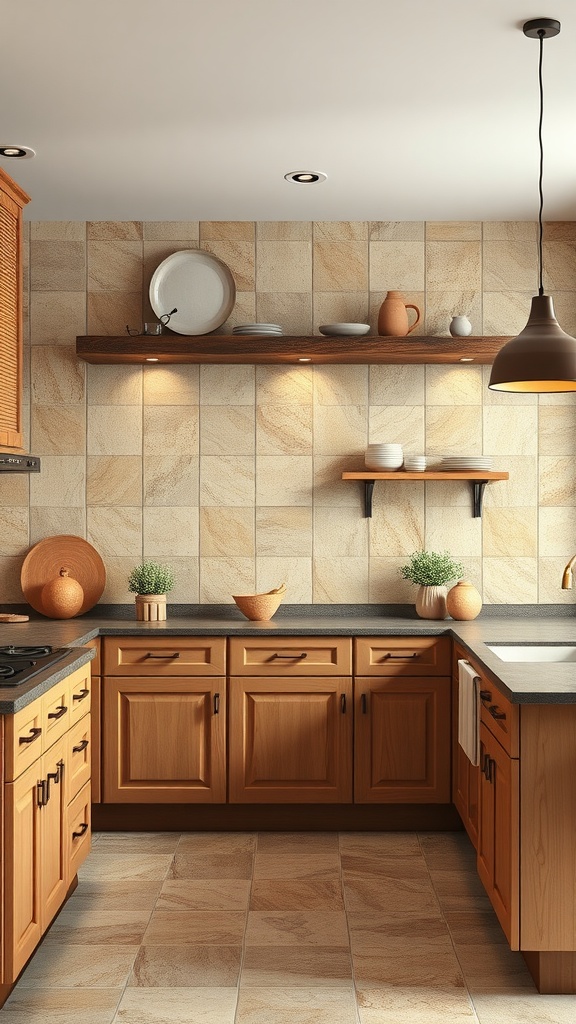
{"x": 114, "y": 385}
{"x": 171, "y": 385}
{"x": 340, "y": 266}
{"x": 227, "y": 385}
{"x": 227, "y": 229}
{"x": 457, "y": 262}
{"x": 397, "y": 424}
{"x": 520, "y": 490}
{"x": 386, "y": 586}
{"x": 227, "y": 531}
{"x": 509, "y": 231}
{"x": 565, "y": 308}
{"x": 453, "y": 230}
{"x": 284, "y": 230}
{"x": 222, "y": 577}
{"x": 186, "y": 572}
{"x": 118, "y": 569}
{"x": 170, "y": 476}
{"x": 560, "y": 230}
{"x": 110, "y": 313}
{"x": 396, "y": 264}
{"x": 239, "y": 256}
{"x": 339, "y": 533}
{"x": 115, "y": 531}
{"x": 397, "y": 524}
{"x": 13, "y": 530}
{"x": 61, "y": 482}
{"x": 291, "y": 310}
{"x": 341, "y": 385}
{"x": 283, "y": 480}
{"x": 340, "y": 430}
{"x": 550, "y": 571}
{"x": 52, "y": 522}
{"x": 114, "y": 430}
{"x": 506, "y": 313}
{"x": 330, "y": 489}
{"x": 10, "y": 589}
{"x": 397, "y": 385}
{"x": 57, "y": 318}
{"x": 57, "y": 375}
{"x": 284, "y": 531}
{"x": 188, "y": 230}
{"x": 454, "y": 385}
{"x": 284, "y": 267}
{"x": 226, "y": 480}
{"x": 340, "y": 230}
{"x": 557, "y": 479}
{"x": 510, "y": 532}
{"x": 114, "y": 230}
{"x": 342, "y": 307}
{"x": 557, "y": 430}
{"x": 510, "y": 580}
{"x": 284, "y": 430}
{"x": 57, "y": 230}
{"x": 510, "y": 431}
{"x": 441, "y": 306}
{"x": 14, "y": 489}
{"x": 295, "y": 572}
{"x": 557, "y": 530}
{"x": 177, "y": 424}
{"x": 340, "y": 580}
{"x": 244, "y": 312}
{"x": 397, "y": 230}
{"x": 454, "y": 430}
{"x": 227, "y": 430}
{"x": 559, "y": 261}
{"x": 57, "y": 266}
{"x": 114, "y": 266}
{"x": 285, "y": 385}
{"x": 509, "y": 266}
{"x": 114, "y": 480}
{"x": 170, "y": 531}
{"x": 58, "y": 430}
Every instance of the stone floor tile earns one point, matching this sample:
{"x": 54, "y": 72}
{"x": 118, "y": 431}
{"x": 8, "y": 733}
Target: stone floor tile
{"x": 307, "y": 966}
{"x": 181, "y": 966}
{"x": 415, "y": 1005}
{"x": 284, "y": 843}
{"x": 119, "y": 866}
{"x": 89, "y": 926}
{"x": 61, "y": 1005}
{"x": 302, "y": 865}
{"x": 217, "y": 842}
{"x": 525, "y": 1008}
{"x": 412, "y": 896}
{"x": 79, "y": 966}
{"x": 204, "y": 894}
{"x": 380, "y": 844}
{"x": 493, "y": 968}
{"x": 296, "y": 928}
{"x": 297, "y": 894}
{"x": 101, "y": 894}
{"x": 211, "y": 865}
{"x": 203, "y": 1005}
{"x": 138, "y": 842}
{"x": 296, "y": 1006}
{"x": 419, "y": 968}
{"x": 195, "y": 927}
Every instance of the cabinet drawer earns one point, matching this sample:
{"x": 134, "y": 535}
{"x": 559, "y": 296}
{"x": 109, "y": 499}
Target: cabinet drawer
{"x": 164, "y": 656}
{"x": 78, "y": 759}
{"x": 78, "y": 831}
{"x": 290, "y": 656}
{"x": 499, "y": 716}
{"x": 57, "y": 712}
{"x": 80, "y": 693}
{"x": 402, "y": 655}
{"x": 24, "y": 738}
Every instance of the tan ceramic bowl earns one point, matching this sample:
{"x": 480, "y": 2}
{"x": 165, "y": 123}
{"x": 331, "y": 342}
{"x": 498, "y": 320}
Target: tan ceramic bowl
{"x": 260, "y": 607}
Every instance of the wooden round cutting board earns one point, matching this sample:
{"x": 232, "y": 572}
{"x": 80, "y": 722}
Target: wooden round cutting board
{"x": 44, "y": 561}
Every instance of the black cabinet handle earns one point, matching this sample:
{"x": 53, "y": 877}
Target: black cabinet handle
{"x": 82, "y": 695}
{"x": 34, "y": 734}
{"x": 343, "y": 703}
{"x": 58, "y": 714}
{"x": 485, "y": 695}
{"x": 175, "y": 655}
{"x": 389, "y": 657}
{"x": 55, "y": 777}
{"x": 363, "y": 704}
{"x": 81, "y": 746}
{"x": 216, "y": 703}
{"x": 81, "y": 831}
{"x": 41, "y": 793}
{"x": 292, "y": 656}
{"x": 493, "y": 709}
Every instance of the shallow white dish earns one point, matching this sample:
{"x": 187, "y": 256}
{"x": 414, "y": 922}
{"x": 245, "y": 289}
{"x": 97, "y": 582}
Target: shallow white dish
{"x": 198, "y": 285}
{"x": 258, "y": 327}
{"x": 342, "y": 330}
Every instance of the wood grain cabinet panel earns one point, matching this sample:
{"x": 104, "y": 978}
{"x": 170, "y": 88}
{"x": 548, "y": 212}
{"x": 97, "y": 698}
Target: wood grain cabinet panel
{"x": 12, "y": 201}
{"x": 24, "y": 732}
{"x": 498, "y": 835}
{"x": 402, "y": 655}
{"x": 78, "y": 757}
{"x": 290, "y": 742}
{"x": 78, "y": 830}
{"x": 164, "y": 740}
{"x": 172, "y": 656}
{"x": 290, "y": 656}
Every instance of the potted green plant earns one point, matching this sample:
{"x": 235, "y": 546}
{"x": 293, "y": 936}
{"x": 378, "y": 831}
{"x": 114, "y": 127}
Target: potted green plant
{"x": 431, "y": 572}
{"x": 151, "y": 581}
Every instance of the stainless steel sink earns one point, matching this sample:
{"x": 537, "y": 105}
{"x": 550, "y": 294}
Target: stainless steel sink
{"x": 534, "y": 652}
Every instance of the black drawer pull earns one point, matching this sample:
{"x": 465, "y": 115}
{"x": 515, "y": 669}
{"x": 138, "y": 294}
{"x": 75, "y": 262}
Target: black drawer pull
{"x": 363, "y": 704}
{"x": 343, "y": 703}
{"x": 81, "y": 831}
{"x": 41, "y": 793}
{"x": 485, "y": 695}
{"x": 82, "y": 695}
{"x": 34, "y": 734}
{"x": 493, "y": 709}
{"x": 292, "y": 656}
{"x": 216, "y": 703}
{"x": 389, "y": 657}
{"x": 175, "y": 655}
{"x": 58, "y": 714}
{"x": 81, "y": 746}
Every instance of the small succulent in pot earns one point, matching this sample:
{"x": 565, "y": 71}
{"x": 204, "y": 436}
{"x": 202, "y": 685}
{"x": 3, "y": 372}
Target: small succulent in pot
{"x": 431, "y": 571}
{"x": 151, "y": 581}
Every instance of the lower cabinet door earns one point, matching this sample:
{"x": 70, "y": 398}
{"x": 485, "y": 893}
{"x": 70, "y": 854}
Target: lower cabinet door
{"x": 465, "y": 792}
{"x": 402, "y": 740}
{"x": 54, "y": 871}
{"x": 22, "y": 870}
{"x": 498, "y": 855}
{"x": 78, "y": 831}
{"x": 164, "y": 740}
{"x": 290, "y": 740}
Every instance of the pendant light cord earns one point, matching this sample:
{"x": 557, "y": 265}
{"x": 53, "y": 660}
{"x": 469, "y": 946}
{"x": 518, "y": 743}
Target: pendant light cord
{"x": 541, "y": 89}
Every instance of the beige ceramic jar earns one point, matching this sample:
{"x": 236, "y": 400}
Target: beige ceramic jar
{"x": 463, "y": 601}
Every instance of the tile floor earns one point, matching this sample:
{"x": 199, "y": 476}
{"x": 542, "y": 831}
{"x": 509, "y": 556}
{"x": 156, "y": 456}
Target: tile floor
{"x": 279, "y": 928}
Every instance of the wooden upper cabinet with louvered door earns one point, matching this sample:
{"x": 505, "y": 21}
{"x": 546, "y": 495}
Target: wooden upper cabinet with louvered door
{"x": 12, "y": 201}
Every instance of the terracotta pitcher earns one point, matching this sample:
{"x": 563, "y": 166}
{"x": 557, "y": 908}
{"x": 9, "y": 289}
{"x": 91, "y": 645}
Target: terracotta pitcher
{"x": 393, "y": 318}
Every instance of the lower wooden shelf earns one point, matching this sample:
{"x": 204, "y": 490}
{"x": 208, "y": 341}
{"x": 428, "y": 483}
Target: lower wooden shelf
{"x": 477, "y": 481}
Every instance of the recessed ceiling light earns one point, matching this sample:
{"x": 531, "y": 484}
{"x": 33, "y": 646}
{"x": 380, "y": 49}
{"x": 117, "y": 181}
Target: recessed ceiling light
{"x": 18, "y": 152}
{"x": 305, "y": 177}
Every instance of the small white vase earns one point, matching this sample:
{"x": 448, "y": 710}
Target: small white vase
{"x": 431, "y": 602}
{"x": 460, "y": 327}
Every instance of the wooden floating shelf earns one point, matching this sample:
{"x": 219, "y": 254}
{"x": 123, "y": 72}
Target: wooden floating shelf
{"x": 219, "y": 348}
{"x": 477, "y": 480}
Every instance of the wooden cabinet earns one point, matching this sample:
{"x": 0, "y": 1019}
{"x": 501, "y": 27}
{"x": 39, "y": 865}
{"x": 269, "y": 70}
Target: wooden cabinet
{"x": 498, "y": 848}
{"x": 164, "y": 715}
{"x": 402, "y": 720}
{"x": 12, "y": 201}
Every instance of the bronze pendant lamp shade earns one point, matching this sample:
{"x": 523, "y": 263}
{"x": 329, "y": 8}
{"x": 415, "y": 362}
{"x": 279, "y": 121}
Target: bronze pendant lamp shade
{"x": 542, "y": 358}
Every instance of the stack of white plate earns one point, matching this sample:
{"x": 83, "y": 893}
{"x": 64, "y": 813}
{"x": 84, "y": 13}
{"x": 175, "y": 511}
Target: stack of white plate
{"x": 384, "y": 456}
{"x": 462, "y": 463}
{"x": 414, "y": 463}
{"x": 257, "y": 329}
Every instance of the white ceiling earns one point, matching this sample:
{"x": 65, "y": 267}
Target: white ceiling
{"x": 195, "y": 109}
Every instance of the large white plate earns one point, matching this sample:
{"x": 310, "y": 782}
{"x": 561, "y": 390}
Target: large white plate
{"x": 198, "y": 285}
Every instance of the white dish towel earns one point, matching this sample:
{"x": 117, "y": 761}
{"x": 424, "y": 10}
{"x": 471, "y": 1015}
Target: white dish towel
{"x": 469, "y": 711}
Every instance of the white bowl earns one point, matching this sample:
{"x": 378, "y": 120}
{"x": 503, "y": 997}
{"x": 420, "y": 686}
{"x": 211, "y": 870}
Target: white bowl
{"x": 341, "y": 330}
{"x": 384, "y": 466}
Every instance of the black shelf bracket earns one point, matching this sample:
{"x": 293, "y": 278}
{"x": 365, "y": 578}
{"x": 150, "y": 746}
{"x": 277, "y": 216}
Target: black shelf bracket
{"x": 368, "y": 495}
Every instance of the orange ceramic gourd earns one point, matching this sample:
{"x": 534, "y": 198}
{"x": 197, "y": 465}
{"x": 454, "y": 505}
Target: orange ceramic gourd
{"x": 463, "y": 601}
{"x": 393, "y": 318}
{"x": 63, "y": 597}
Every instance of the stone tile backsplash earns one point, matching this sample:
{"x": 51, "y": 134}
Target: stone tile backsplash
{"x": 232, "y": 473}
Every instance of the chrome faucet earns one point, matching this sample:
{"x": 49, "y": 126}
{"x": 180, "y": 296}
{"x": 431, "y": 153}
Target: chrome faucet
{"x": 567, "y": 574}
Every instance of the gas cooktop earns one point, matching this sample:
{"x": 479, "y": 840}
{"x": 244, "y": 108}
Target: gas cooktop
{"x": 19, "y": 664}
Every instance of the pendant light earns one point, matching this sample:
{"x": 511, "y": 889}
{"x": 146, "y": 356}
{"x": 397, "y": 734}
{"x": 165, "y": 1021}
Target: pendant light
{"x": 543, "y": 357}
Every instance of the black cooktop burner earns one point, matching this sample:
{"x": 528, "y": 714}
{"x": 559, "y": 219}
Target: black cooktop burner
{"x": 28, "y": 652}
{"x": 19, "y": 664}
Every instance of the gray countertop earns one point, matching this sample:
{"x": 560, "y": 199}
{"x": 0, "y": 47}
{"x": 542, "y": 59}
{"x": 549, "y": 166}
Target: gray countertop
{"x": 522, "y": 683}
